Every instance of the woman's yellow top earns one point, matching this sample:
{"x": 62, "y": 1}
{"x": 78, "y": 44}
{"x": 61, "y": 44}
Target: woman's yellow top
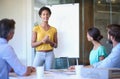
{"x": 41, "y": 33}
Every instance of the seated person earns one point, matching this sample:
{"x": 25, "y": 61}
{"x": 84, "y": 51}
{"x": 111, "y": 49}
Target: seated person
{"x": 113, "y": 59}
{"x": 7, "y": 54}
{"x": 98, "y": 52}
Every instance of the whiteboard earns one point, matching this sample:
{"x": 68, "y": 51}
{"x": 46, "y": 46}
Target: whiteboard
{"x": 65, "y": 18}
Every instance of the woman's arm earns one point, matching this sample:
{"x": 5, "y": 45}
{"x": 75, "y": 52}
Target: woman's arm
{"x": 55, "y": 41}
{"x": 34, "y": 43}
{"x": 101, "y": 58}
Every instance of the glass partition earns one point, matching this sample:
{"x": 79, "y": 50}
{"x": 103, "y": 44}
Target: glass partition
{"x": 115, "y": 11}
{"x": 106, "y": 12}
{"x": 98, "y": 13}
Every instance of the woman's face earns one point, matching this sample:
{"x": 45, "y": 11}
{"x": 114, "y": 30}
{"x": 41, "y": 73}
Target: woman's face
{"x": 45, "y": 15}
{"x": 89, "y": 37}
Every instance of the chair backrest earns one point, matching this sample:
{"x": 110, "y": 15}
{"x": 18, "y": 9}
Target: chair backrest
{"x": 61, "y": 63}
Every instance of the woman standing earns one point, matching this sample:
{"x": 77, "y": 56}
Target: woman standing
{"x": 44, "y": 40}
{"x": 98, "y": 52}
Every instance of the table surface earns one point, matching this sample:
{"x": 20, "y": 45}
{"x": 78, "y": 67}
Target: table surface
{"x": 52, "y": 74}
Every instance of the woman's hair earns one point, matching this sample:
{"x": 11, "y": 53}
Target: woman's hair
{"x": 6, "y": 25}
{"x": 95, "y": 34}
{"x": 114, "y": 30}
{"x": 44, "y": 8}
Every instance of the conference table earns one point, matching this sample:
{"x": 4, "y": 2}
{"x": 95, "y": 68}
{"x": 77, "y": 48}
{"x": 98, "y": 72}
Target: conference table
{"x": 51, "y": 74}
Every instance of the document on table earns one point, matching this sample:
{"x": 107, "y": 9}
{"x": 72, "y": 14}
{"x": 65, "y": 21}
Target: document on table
{"x": 62, "y": 71}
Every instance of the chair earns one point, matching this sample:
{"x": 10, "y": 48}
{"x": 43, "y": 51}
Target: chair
{"x": 61, "y": 63}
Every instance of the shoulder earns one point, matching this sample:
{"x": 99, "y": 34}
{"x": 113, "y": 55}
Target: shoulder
{"x": 101, "y": 47}
{"x": 102, "y": 51}
{"x": 6, "y": 51}
{"x": 35, "y": 28}
{"x": 116, "y": 48}
{"x": 6, "y": 47}
{"x": 53, "y": 28}
{"x": 9, "y": 49}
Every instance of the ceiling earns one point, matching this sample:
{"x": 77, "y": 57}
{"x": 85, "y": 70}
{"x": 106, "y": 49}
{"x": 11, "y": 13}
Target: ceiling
{"x": 54, "y": 2}
{"x": 104, "y": 6}
{"x": 100, "y": 5}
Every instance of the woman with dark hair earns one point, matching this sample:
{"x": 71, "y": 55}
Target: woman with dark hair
{"x": 44, "y": 40}
{"x": 98, "y": 52}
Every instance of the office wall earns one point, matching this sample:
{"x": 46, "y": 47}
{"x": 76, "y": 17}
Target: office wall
{"x": 21, "y": 12}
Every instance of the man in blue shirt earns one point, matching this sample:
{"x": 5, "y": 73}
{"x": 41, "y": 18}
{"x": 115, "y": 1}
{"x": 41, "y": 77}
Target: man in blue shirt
{"x": 113, "y": 59}
{"x": 8, "y": 58}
